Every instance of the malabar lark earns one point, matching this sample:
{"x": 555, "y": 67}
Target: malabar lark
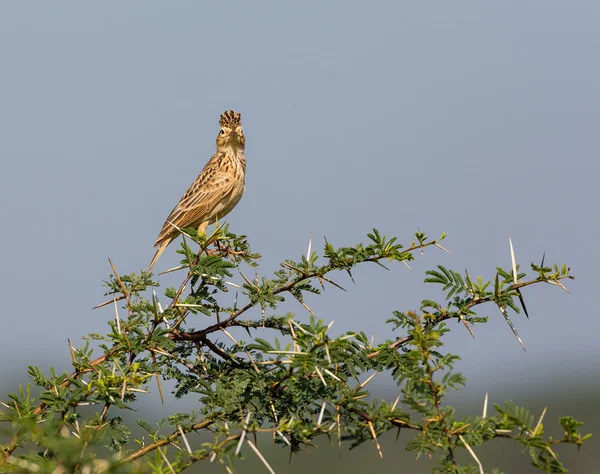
{"x": 216, "y": 190}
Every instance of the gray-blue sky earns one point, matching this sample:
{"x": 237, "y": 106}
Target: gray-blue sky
{"x": 478, "y": 119}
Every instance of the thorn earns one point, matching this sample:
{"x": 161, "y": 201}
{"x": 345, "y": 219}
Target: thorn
{"x": 283, "y": 437}
{"x": 304, "y": 305}
{"x": 320, "y": 420}
{"x": 321, "y": 376}
{"x": 395, "y": 403}
{"x": 333, "y": 283}
{"x": 485, "y": 405}
{"x": 260, "y": 456}
{"x": 351, "y": 277}
{"x": 229, "y": 336}
{"x": 398, "y": 433}
{"x": 472, "y": 453}
{"x": 248, "y": 281}
{"x": 125, "y": 292}
{"x": 185, "y": 441}
{"x": 298, "y": 326}
{"x": 166, "y": 460}
{"x": 243, "y": 435}
{"x": 71, "y": 350}
{"x": 539, "y": 423}
{"x": 174, "y": 269}
{"x": 332, "y": 375}
{"x": 327, "y": 353}
{"x": 108, "y": 302}
{"x": 510, "y": 324}
{"x": 562, "y": 286}
{"x": 522, "y": 303}
{"x": 514, "y": 264}
{"x": 467, "y": 325}
{"x": 382, "y": 265}
{"x": 363, "y": 385}
{"x": 375, "y": 439}
{"x": 117, "y": 316}
{"x": 445, "y": 250}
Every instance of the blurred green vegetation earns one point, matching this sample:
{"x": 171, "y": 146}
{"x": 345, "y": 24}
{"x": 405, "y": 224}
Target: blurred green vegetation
{"x": 575, "y": 394}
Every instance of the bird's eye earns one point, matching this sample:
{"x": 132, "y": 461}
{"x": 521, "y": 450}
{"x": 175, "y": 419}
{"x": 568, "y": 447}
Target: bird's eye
{"x": 222, "y": 132}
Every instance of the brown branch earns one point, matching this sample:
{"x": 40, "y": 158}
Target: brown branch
{"x": 163, "y": 442}
{"x": 393, "y": 421}
{"x": 177, "y": 434}
{"x": 217, "y": 350}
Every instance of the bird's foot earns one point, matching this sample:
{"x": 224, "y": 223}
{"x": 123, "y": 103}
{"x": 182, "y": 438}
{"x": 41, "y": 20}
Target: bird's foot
{"x": 224, "y": 251}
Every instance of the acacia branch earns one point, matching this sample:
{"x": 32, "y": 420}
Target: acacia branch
{"x": 164, "y": 442}
{"x": 476, "y": 301}
{"x": 39, "y": 410}
{"x": 199, "y": 335}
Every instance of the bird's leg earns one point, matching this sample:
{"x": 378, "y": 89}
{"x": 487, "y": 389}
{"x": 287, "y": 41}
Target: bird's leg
{"x": 228, "y": 251}
{"x": 223, "y": 249}
{"x": 220, "y": 248}
{"x": 202, "y": 231}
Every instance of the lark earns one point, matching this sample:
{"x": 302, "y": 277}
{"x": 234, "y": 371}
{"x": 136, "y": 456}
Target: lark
{"x": 217, "y": 189}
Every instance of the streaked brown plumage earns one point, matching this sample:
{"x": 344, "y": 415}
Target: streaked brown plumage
{"x": 216, "y": 190}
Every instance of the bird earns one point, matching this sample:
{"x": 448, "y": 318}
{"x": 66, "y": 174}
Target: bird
{"x": 217, "y": 189}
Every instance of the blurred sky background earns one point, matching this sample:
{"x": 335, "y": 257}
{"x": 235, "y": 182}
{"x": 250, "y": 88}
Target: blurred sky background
{"x": 478, "y": 119}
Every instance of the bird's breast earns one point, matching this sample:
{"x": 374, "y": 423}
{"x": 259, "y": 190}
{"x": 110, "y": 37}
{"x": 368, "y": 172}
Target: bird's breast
{"x": 226, "y": 205}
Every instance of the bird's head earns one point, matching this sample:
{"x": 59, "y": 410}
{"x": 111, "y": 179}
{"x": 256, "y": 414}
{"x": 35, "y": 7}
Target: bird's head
{"x": 231, "y": 135}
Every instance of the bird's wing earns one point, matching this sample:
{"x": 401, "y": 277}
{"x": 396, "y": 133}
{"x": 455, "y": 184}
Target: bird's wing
{"x": 210, "y": 187}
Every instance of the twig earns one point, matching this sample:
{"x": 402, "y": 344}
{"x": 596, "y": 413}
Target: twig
{"x": 163, "y": 442}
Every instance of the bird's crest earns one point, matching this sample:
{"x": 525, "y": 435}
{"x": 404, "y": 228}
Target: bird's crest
{"x": 230, "y": 119}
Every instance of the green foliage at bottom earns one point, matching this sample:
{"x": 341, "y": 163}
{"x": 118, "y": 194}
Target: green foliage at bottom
{"x": 298, "y": 385}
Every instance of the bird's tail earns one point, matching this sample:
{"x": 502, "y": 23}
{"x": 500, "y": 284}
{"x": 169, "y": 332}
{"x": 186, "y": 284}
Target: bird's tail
{"x": 160, "y": 250}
